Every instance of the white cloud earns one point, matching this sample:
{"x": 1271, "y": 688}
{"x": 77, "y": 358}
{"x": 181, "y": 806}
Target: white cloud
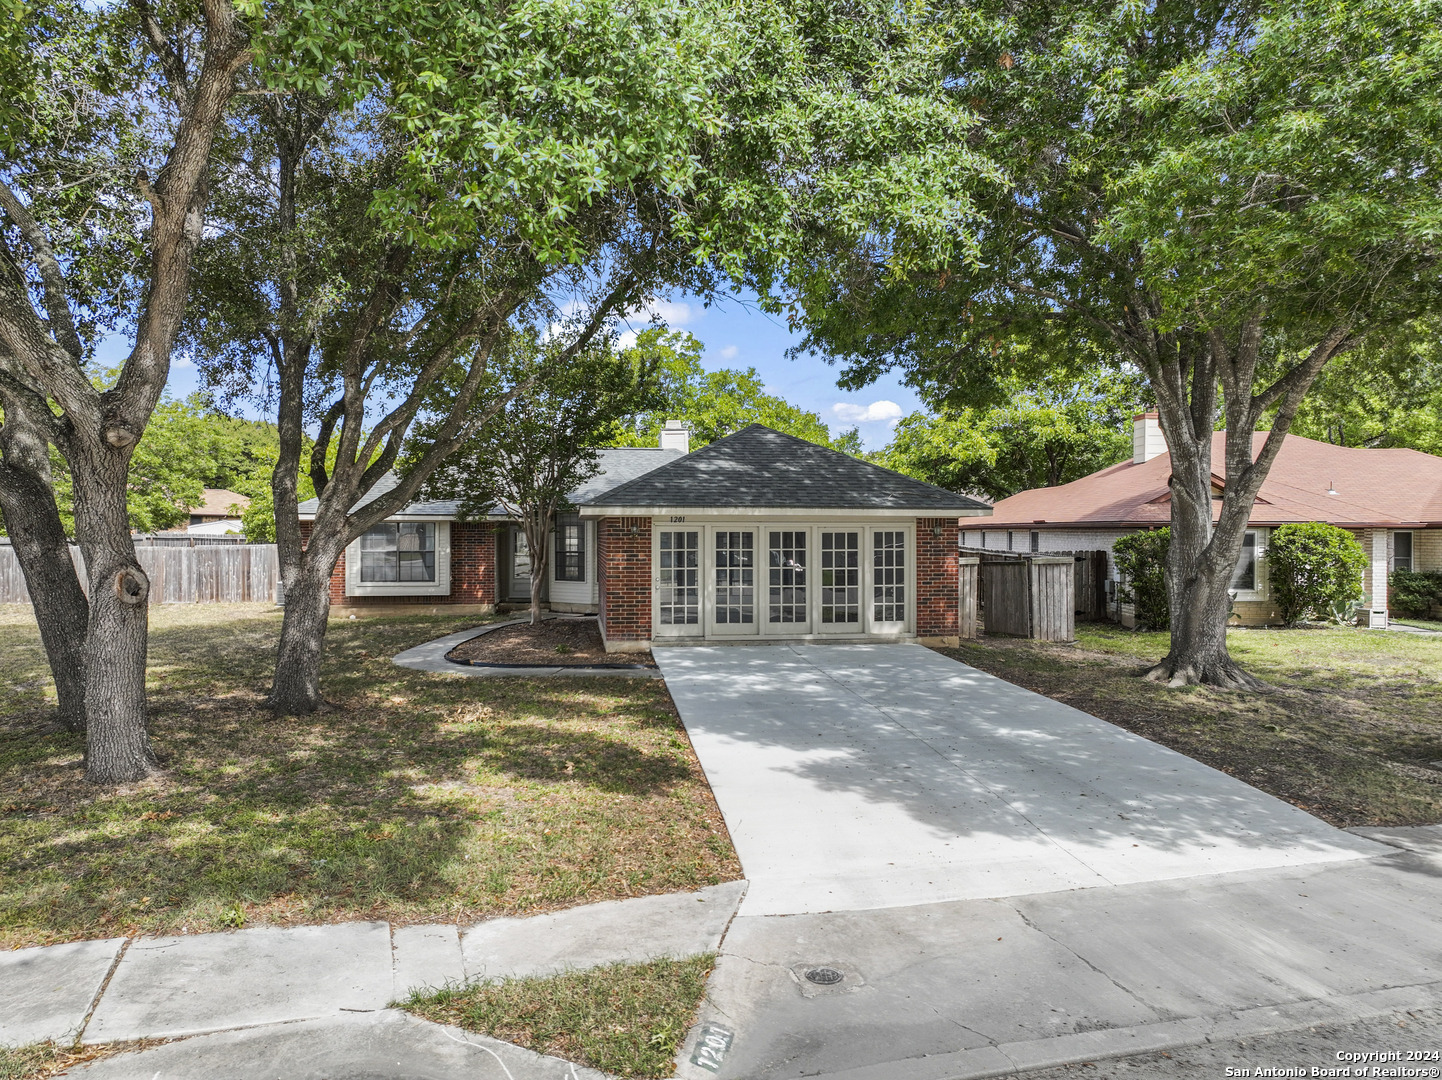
{"x": 729, "y": 352}
{"x": 182, "y": 363}
{"x": 877, "y": 412}
{"x": 626, "y": 339}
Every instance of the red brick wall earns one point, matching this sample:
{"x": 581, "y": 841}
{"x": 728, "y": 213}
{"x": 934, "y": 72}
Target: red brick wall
{"x": 936, "y": 581}
{"x": 624, "y": 578}
{"x": 473, "y": 570}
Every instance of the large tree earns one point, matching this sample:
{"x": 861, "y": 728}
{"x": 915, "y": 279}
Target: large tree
{"x": 544, "y": 442}
{"x": 1226, "y": 196}
{"x": 103, "y": 191}
{"x": 393, "y": 218}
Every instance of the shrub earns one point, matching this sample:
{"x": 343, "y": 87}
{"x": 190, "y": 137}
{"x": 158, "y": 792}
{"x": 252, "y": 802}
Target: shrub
{"x": 1315, "y": 569}
{"x": 1142, "y": 560}
{"x": 1414, "y": 592}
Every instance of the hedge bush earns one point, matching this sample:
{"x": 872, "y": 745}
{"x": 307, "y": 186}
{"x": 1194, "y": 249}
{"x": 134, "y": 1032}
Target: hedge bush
{"x": 1415, "y": 591}
{"x": 1142, "y": 560}
{"x": 1315, "y": 569}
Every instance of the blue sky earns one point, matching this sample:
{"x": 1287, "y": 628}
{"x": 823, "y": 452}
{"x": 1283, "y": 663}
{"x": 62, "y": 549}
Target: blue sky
{"x": 737, "y": 334}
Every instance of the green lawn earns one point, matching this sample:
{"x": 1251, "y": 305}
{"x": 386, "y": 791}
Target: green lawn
{"x": 419, "y": 797}
{"x": 624, "y": 1019}
{"x": 1347, "y": 729}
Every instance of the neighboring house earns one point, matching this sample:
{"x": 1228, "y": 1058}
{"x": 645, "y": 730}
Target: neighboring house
{"x": 218, "y": 513}
{"x": 1391, "y": 500}
{"x": 757, "y": 536}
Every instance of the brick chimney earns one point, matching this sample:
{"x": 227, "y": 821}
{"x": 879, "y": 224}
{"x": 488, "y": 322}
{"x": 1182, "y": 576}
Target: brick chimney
{"x": 675, "y": 436}
{"x": 1147, "y": 440}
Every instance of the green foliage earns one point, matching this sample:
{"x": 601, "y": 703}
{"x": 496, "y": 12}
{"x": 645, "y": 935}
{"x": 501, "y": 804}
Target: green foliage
{"x": 1414, "y": 592}
{"x": 1314, "y": 567}
{"x": 1386, "y": 394}
{"x": 713, "y": 403}
{"x": 187, "y": 447}
{"x": 1049, "y": 432}
{"x": 1141, "y": 559}
{"x": 542, "y": 443}
{"x": 513, "y": 119}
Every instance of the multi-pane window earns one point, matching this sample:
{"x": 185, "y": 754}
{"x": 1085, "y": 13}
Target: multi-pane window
{"x": 840, "y": 577}
{"x": 1035, "y": 540}
{"x": 787, "y": 584}
{"x": 1401, "y": 551}
{"x": 888, "y": 576}
{"x": 1244, "y": 578}
{"x": 570, "y": 548}
{"x": 735, "y": 577}
{"x": 399, "y": 551}
{"x": 680, "y": 576}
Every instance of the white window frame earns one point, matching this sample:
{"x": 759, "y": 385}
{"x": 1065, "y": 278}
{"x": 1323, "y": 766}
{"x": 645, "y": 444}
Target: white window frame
{"x": 1260, "y": 592}
{"x": 354, "y": 586}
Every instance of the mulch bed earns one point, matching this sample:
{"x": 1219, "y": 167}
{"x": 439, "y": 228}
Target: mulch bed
{"x": 554, "y": 643}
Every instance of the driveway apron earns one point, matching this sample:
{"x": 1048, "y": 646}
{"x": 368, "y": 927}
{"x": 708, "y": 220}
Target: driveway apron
{"x": 872, "y": 776}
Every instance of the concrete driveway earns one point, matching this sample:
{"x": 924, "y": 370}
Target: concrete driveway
{"x": 872, "y": 776}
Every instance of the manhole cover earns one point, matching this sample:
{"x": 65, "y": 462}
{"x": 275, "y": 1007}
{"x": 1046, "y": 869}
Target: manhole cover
{"x": 824, "y": 976}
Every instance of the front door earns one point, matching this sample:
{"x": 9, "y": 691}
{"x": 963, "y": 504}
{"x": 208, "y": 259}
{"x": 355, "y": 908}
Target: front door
{"x": 733, "y": 583}
{"x": 520, "y": 588}
{"x": 839, "y": 562}
{"x": 889, "y": 597}
{"x": 787, "y": 596}
{"x": 678, "y": 583}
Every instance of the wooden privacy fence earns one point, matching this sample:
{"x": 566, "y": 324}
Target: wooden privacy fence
{"x": 1030, "y": 596}
{"x": 204, "y": 574}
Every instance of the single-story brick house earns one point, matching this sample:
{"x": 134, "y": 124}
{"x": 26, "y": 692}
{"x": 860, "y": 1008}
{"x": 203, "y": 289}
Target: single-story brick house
{"x": 1391, "y": 500}
{"x": 758, "y": 536}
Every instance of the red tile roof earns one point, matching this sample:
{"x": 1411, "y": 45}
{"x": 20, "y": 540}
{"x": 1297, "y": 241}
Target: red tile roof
{"x": 1393, "y": 488}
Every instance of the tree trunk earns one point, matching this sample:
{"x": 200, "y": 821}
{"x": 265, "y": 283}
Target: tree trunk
{"x": 1201, "y": 557}
{"x": 538, "y": 528}
{"x": 296, "y": 689}
{"x": 117, "y": 745}
{"x": 27, "y": 503}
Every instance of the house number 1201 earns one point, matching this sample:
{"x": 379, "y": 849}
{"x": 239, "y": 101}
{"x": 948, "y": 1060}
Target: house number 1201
{"x": 678, "y": 520}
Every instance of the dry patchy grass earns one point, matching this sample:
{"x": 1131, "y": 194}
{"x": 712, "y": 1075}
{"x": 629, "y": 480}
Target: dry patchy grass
{"x": 625, "y": 1019}
{"x": 1347, "y": 729}
{"x": 418, "y": 797}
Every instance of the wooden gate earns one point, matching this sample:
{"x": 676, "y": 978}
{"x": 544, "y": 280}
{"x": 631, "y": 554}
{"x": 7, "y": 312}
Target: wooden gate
{"x": 1030, "y": 596}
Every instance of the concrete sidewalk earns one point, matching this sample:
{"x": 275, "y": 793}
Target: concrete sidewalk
{"x": 866, "y": 776}
{"x": 196, "y": 984}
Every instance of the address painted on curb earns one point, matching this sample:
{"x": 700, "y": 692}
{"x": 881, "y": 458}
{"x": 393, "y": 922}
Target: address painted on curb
{"x": 711, "y": 1046}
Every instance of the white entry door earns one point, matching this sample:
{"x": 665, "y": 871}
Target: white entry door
{"x": 678, "y": 583}
{"x": 839, "y": 573}
{"x": 788, "y": 582}
{"x": 732, "y": 588}
{"x": 890, "y": 597}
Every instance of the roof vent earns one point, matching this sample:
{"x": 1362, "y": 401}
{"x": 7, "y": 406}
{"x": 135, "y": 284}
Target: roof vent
{"x": 675, "y": 436}
{"x": 1147, "y": 439}
{"x": 1330, "y": 489}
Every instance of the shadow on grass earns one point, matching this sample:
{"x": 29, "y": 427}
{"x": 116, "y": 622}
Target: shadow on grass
{"x": 417, "y": 796}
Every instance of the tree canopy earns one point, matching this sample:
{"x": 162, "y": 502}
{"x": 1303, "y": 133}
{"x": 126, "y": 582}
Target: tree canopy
{"x": 1047, "y": 433}
{"x": 713, "y": 403}
{"x": 1225, "y": 197}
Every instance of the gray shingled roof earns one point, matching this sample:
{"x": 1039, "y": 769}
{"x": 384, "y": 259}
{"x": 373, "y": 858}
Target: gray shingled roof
{"x": 758, "y": 467}
{"x": 618, "y": 465}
